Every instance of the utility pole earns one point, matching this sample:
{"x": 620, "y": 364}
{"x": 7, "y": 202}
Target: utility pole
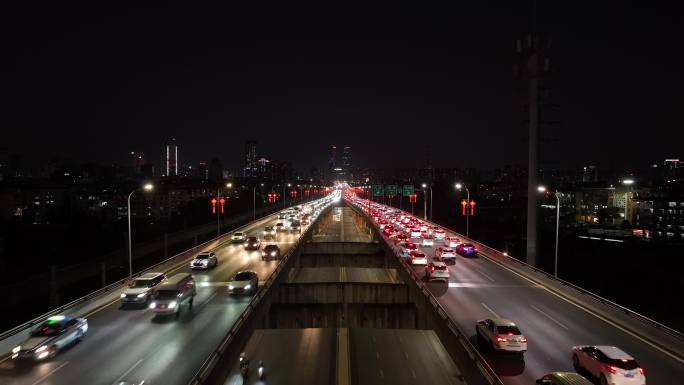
{"x": 530, "y": 69}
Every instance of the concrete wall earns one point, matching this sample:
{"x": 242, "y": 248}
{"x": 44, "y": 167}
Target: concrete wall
{"x": 398, "y": 316}
{"x": 341, "y": 292}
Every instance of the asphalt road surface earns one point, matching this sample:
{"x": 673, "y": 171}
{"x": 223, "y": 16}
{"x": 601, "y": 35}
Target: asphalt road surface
{"x": 479, "y": 288}
{"x": 133, "y": 345}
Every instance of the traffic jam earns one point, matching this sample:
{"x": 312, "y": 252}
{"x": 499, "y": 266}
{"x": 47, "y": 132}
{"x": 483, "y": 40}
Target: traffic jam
{"x": 433, "y": 251}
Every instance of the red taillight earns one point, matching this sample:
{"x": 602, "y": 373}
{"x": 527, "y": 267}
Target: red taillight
{"x": 500, "y": 339}
{"x": 642, "y": 371}
{"x": 432, "y": 268}
{"x": 523, "y": 340}
{"x": 613, "y": 369}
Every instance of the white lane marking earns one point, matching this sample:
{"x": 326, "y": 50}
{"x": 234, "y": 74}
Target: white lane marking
{"x": 406, "y": 355}
{"x": 490, "y": 310}
{"x": 549, "y": 317}
{"x": 590, "y": 312}
{"x": 377, "y": 355}
{"x": 413, "y": 374}
{"x": 483, "y": 273}
{"x": 118, "y": 380}
{"x": 382, "y": 374}
{"x": 50, "y": 373}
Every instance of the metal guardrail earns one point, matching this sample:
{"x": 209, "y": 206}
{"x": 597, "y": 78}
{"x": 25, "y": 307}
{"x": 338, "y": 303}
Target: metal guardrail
{"x": 210, "y": 363}
{"x": 487, "y": 372}
{"x": 109, "y": 288}
{"x": 493, "y": 254}
{"x": 581, "y": 290}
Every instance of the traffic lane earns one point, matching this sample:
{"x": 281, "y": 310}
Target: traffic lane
{"x": 552, "y": 327}
{"x": 129, "y": 343}
{"x": 568, "y": 325}
{"x": 394, "y": 356}
{"x": 172, "y": 362}
{"x": 195, "y": 336}
{"x": 303, "y": 357}
{"x": 553, "y": 309}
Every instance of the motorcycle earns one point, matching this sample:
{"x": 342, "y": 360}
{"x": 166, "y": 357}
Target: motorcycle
{"x": 244, "y": 365}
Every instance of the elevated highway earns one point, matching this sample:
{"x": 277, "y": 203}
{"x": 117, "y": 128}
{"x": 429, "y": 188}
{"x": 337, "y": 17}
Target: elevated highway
{"x": 553, "y": 315}
{"x": 128, "y": 344}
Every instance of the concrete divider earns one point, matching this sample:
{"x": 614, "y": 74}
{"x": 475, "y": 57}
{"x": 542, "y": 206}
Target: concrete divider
{"x": 473, "y": 368}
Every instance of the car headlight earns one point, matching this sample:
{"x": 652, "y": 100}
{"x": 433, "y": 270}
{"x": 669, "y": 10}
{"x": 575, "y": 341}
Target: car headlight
{"x": 273, "y": 253}
{"x": 172, "y": 304}
{"x": 42, "y": 348}
{"x": 43, "y": 355}
{"x": 248, "y": 287}
{"x": 16, "y": 350}
{"x": 123, "y": 295}
{"x": 153, "y": 305}
{"x": 141, "y": 295}
{"x": 231, "y": 287}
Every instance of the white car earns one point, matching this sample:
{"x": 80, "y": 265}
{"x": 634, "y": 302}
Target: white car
{"x": 140, "y": 289}
{"x": 238, "y": 237}
{"x": 451, "y": 241}
{"x": 444, "y": 253}
{"x": 418, "y": 258}
{"x": 427, "y": 240}
{"x": 501, "y": 334}
{"x": 609, "y": 364}
{"x": 51, "y": 336}
{"x": 440, "y": 234}
{"x": 415, "y": 232}
{"x": 437, "y": 271}
{"x": 204, "y": 260}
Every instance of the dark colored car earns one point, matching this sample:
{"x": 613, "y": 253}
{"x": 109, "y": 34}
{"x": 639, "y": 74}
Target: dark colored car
{"x": 270, "y": 252}
{"x": 252, "y": 243}
{"x": 466, "y": 249}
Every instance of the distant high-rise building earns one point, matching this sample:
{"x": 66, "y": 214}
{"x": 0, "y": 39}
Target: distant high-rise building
{"x": 332, "y": 162}
{"x": 251, "y": 166}
{"x": 203, "y": 170}
{"x": 589, "y": 174}
{"x": 346, "y": 163}
{"x": 171, "y": 158}
{"x": 137, "y": 161}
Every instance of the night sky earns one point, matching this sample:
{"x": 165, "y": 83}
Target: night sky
{"x": 94, "y": 84}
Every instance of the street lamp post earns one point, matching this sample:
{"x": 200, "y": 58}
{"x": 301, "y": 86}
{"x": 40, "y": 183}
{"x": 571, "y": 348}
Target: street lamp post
{"x": 218, "y": 211}
{"x": 146, "y": 187}
{"x": 462, "y": 186}
{"x": 557, "y": 194}
{"x": 288, "y": 185}
{"x": 425, "y": 201}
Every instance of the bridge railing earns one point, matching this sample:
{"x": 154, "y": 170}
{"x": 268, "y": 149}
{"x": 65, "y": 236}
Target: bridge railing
{"x": 8, "y": 337}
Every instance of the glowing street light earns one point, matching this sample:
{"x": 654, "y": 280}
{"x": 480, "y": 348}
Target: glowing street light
{"x": 145, "y": 187}
{"x": 424, "y": 185}
{"x": 460, "y": 186}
